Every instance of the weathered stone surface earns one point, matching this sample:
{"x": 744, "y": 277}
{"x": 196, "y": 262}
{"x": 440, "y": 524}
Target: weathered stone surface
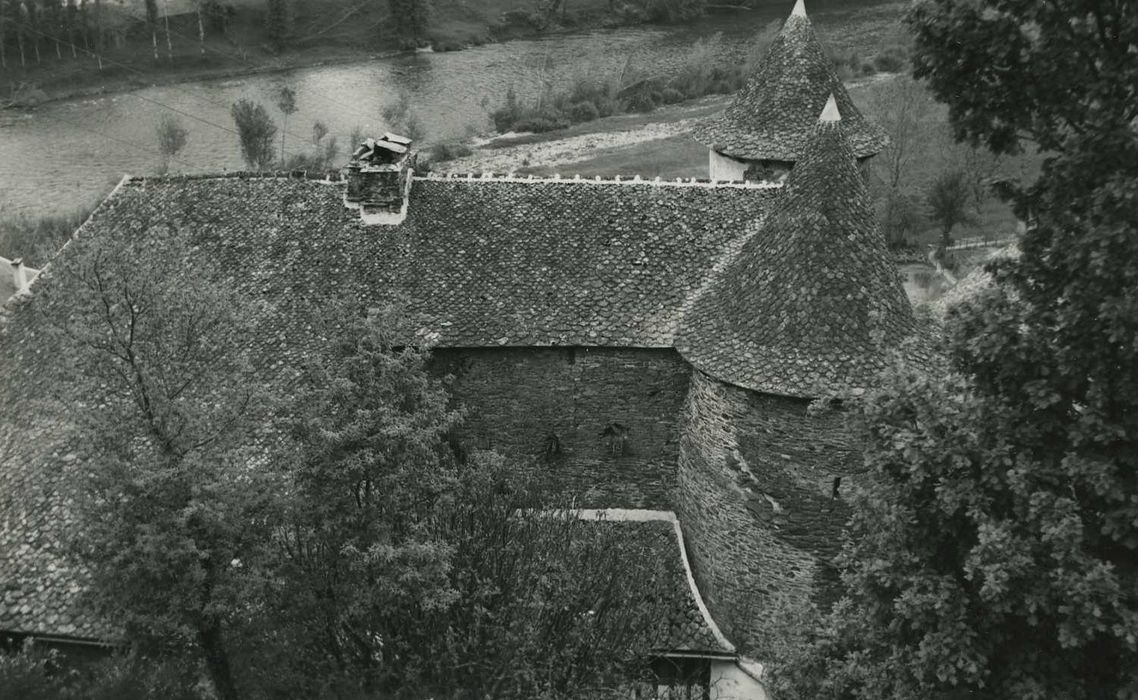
{"x": 599, "y": 424}
{"x": 812, "y": 304}
{"x": 774, "y": 114}
{"x": 756, "y": 499}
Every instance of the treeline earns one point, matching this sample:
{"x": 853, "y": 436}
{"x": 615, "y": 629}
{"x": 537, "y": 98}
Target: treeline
{"x": 31, "y": 30}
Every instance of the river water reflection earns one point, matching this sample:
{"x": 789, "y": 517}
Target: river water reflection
{"x": 67, "y": 154}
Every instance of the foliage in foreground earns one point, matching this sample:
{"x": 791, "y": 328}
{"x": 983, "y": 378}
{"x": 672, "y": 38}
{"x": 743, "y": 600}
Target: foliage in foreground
{"x": 994, "y": 549}
{"x": 37, "y": 674}
{"x": 368, "y": 555}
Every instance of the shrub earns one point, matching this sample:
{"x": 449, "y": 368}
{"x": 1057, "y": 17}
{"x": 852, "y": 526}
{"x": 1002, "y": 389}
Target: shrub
{"x": 672, "y": 95}
{"x": 540, "y": 124}
{"x": 449, "y": 151}
{"x": 36, "y": 240}
{"x": 583, "y": 111}
{"x": 891, "y": 61}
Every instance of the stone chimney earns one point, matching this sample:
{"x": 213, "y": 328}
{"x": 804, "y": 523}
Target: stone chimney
{"x": 379, "y": 180}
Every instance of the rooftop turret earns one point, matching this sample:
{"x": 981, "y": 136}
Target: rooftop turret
{"x": 768, "y": 124}
{"x": 812, "y": 305}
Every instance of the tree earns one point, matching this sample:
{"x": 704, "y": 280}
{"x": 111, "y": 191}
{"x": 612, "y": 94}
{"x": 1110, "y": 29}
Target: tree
{"x": 1036, "y": 72}
{"x": 256, "y": 131}
{"x": 70, "y": 22}
{"x": 948, "y": 203}
{"x": 902, "y": 108}
{"x": 286, "y": 102}
{"x": 278, "y": 21}
{"x": 174, "y": 508}
{"x": 410, "y": 19}
{"x": 198, "y": 10}
{"x": 33, "y": 26}
{"x": 4, "y": 21}
{"x": 171, "y": 138}
{"x": 152, "y": 24}
{"x": 19, "y": 16}
{"x": 319, "y": 131}
{"x": 51, "y": 23}
{"x": 407, "y": 566}
{"x": 401, "y": 118}
{"x": 994, "y": 551}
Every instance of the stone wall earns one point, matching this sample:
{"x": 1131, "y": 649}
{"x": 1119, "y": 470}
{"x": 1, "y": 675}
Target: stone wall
{"x": 760, "y": 499}
{"x": 601, "y": 425}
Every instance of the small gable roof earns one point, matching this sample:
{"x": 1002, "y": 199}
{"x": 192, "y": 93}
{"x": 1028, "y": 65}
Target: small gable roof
{"x": 812, "y": 303}
{"x": 773, "y": 115}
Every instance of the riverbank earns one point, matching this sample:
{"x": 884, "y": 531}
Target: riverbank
{"x": 322, "y": 33}
{"x": 334, "y": 32}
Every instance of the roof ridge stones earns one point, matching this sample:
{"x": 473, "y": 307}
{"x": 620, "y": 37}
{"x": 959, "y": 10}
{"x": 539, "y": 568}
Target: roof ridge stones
{"x": 773, "y": 115}
{"x": 811, "y": 305}
{"x": 335, "y": 177}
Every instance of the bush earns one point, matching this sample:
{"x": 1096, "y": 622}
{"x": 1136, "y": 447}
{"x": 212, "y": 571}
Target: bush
{"x": 46, "y": 675}
{"x": 672, "y": 95}
{"x": 891, "y": 61}
{"x": 449, "y": 151}
{"x": 583, "y": 111}
{"x": 540, "y": 124}
{"x": 37, "y": 240}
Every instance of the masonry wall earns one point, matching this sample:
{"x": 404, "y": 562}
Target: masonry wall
{"x": 601, "y": 425}
{"x": 760, "y": 507}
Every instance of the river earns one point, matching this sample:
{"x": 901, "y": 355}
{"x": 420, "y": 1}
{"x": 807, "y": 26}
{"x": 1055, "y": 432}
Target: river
{"x": 65, "y": 155}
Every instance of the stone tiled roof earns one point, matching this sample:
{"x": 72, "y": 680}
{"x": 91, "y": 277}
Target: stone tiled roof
{"x": 685, "y": 625}
{"x": 774, "y": 114}
{"x": 811, "y": 304}
{"x": 480, "y": 262}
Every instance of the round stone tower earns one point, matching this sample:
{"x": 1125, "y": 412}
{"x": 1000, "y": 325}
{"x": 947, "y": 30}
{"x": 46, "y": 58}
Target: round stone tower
{"x": 762, "y": 133}
{"x": 811, "y": 308}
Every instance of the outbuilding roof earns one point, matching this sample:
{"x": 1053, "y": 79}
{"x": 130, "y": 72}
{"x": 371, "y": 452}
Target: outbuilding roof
{"x": 774, "y": 114}
{"x": 812, "y": 303}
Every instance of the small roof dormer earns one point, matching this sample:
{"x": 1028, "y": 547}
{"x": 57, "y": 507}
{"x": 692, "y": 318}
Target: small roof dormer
{"x": 774, "y": 114}
{"x": 812, "y": 304}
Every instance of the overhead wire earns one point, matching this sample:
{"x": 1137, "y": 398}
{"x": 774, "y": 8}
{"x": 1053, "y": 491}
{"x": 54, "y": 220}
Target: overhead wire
{"x": 328, "y": 97}
{"x": 110, "y": 137}
{"x": 163, "y": 105}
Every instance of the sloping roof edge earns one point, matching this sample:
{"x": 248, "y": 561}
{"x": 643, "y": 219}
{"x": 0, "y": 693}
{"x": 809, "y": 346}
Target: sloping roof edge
{"x": 634, "y": 515}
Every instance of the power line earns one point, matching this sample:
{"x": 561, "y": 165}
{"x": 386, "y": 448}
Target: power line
{"x": 109, "y": 137}
{"x": 327, "y": 96}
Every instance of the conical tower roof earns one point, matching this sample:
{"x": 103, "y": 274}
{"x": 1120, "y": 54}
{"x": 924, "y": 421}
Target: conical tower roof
{"x": 774, "y": 114}
{"x": 812, "y": 304}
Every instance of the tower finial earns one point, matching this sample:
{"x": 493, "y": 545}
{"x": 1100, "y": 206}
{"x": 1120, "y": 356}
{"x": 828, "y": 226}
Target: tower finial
{"x": 799, "y": 9}
{"x": 830, "y": 112}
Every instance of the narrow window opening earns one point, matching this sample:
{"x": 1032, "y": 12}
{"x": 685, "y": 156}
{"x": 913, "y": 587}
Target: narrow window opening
{"x": 616, "y": 436}
{"x": 836, "y": 487}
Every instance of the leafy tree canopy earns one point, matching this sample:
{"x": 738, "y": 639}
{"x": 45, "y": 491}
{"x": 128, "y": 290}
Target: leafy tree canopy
{"x": 994, "y": 548}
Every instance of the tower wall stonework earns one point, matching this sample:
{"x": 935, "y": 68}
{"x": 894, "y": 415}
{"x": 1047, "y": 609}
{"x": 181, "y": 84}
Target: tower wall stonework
{"x": 757, "y": 500}
{"x": 600, "y": 424}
